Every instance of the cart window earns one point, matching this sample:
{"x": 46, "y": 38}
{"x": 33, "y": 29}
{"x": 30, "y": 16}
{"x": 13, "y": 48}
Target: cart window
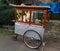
{"x": 23, "y": 15}
{"x": 18, "y": 15}
{"x": 26, "y": 16}
{"x": 31, "y": 17}
{"x": 38, "y": 17}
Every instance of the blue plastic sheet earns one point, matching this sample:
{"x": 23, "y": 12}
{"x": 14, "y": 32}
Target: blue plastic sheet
{"x": 54, "y": 7}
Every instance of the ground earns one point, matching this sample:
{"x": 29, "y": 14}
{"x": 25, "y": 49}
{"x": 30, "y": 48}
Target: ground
{"x": 8, "y": 44}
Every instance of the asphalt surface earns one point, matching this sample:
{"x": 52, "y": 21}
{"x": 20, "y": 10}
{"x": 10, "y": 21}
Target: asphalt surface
{"x": 8, "y": 44}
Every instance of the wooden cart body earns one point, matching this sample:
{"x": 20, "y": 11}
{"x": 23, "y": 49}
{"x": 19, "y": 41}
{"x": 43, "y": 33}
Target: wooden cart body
{"x": 21, "y": 27}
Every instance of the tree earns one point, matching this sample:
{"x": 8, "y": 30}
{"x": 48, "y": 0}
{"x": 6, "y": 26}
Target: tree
{"x": 54, "y": 0}
{"x": 6, "y": 13}
{"x": 18, "y": 2}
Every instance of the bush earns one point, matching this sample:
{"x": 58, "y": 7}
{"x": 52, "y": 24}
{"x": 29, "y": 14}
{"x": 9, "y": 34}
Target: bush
{"x": 55, "y": 16}
{"x": 6, "y": 16}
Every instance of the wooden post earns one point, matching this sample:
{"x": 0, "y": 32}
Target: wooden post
{"x": 30, "y": 16}
{"x": 44, "y": 17}
{"x": 22, "y": 14}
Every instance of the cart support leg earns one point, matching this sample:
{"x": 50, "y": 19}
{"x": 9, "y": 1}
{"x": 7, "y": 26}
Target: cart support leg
{"x": 15, "y": 37}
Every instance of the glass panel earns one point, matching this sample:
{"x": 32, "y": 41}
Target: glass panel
{"x": 18, "y": 15}
{"x": 25, "y": 13}
{"x": 26, "y": 16}
{"x": 38, "y": 17}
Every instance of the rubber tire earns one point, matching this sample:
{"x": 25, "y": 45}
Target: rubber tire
{"x": 30, "y": 46}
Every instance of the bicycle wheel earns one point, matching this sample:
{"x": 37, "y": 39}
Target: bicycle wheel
{"x": 32, "y": 39}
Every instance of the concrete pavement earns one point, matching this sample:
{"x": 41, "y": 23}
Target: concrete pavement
{"x": 8, "y": 44}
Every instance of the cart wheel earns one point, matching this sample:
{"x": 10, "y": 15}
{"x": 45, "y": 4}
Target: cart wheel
{"x": 32, "y": 39}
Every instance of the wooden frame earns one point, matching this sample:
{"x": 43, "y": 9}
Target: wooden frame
{"x": 44, "y": 9}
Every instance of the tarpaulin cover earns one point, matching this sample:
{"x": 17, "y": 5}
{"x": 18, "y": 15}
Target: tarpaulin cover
{"x": 54, "y": 7}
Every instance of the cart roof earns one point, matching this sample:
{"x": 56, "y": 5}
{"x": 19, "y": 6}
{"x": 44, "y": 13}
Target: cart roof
{"x": 30, "y": 7}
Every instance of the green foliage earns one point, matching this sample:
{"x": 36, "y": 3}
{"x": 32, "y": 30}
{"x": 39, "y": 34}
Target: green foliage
{"x": 54, "y": 0}
{"x": 6, "y": 31}
{"x": 14, "y": 1}
{"x": 6, "y": 15}
{"x": 3, "y": 7}
{"x": 49, "y": 26}
{"x": 0, "y": 1}
{"x": 55, "y": 16}
{"x": 3, "y": 32}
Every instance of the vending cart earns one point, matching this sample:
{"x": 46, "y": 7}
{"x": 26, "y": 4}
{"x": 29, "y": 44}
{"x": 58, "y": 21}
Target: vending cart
{"x": 30, "y": 24}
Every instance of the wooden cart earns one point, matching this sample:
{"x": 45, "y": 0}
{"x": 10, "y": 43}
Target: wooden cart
{"x": 30, "y": 21}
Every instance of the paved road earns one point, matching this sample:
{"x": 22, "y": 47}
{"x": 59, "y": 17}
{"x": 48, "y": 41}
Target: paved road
{"x": 7, "y": 44}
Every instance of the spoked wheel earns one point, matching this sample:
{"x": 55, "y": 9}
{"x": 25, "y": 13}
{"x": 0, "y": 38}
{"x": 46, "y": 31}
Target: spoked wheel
{"x": 32, "y": 39}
